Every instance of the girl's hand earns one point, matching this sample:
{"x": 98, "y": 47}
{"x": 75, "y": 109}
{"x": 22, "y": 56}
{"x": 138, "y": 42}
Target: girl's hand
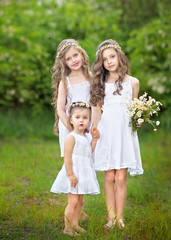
{"x": 138, "y": 125}
{"x": 95, "y": 133}
{"x": 73, "y": 180}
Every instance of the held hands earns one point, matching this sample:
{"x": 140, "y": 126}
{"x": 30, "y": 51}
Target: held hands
{"x": 73, "y": 180}
{"x": 95, "y": 133}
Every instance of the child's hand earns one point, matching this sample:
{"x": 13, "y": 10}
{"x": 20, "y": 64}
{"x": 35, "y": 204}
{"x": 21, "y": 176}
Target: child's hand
{"x": 95, "y": 133}
{"x": 73, "y": 180}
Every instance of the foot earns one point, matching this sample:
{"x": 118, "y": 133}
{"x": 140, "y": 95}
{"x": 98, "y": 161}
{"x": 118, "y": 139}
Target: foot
{"x": 70, "y": 232}
{"x": 83, "y": 216}
{"x": 79, "y": 229}
{"x": 110, "y": 224}
{"x": 120, "y": 223}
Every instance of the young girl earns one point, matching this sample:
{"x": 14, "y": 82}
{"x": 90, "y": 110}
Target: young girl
{"x": 117, "y": 151}
{"x": 77, "y": 176}
{"x": 70, "y": 83}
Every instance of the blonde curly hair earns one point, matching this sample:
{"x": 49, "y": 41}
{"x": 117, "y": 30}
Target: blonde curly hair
{"x": 100, "y": 74}
{"x": 60, "y": 71}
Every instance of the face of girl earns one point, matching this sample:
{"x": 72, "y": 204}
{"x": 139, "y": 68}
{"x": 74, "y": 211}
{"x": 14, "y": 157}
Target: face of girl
{"x": 73, "y": 59}
{"x": 110, "y": 59}
{"x": 80, "y": 119}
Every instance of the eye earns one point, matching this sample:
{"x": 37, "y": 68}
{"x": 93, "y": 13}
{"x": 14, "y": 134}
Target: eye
{"x": 85, "y": 117}
{"x": 104, "y": 60}
{"x": 76, "y": 54}
{"x": 113, "y": 56}
{"x": 68, "y": 59}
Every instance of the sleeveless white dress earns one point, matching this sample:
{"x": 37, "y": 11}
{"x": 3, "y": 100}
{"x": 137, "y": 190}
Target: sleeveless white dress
{"x": 79, "y": 92}
{"x": 117, "y": 147}
{"x": 83, "y": 169}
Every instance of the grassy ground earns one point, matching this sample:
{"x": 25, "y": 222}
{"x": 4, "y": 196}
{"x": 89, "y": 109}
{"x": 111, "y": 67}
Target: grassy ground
{"x": 29, "y": 163}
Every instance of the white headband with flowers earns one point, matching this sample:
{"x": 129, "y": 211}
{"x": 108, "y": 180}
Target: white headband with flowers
{"x": 108, "y": 46}
{"x": 66, "y": 45}
{"x": 80, "y": 104}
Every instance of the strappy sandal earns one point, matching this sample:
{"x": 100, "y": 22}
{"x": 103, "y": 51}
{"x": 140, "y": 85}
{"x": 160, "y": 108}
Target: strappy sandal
{"x": 120, "y": 223}
{"x": 71, "y": 233}
{"x": 110, "y": 224}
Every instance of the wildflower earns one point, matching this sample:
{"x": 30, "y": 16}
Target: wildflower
{"x": 158, "y": 123}
{"x": 155, "y": 129}
{"x": 140, "y": 110}
{"x": 140, "y": 120}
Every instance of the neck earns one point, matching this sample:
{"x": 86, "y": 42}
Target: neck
{"x": 113, "y": 76}
{"x": 78, "y": 72}
{"x": 79, "y": 132}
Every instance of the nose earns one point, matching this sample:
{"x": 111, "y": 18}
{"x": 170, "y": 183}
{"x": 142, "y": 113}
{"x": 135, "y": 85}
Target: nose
{"x": 108, "y": 60}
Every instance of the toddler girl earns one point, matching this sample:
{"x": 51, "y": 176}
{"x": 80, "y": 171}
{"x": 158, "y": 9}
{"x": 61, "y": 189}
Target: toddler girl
{"x": 77, "y": 176}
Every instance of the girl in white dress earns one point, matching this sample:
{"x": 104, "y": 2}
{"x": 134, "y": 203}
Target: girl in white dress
{"x": 70, "y": 83}
{"x": 77, "y": 176}
{"x": 117, "y": 151}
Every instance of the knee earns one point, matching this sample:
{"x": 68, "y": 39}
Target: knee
{"x": 109, "y": 177}
{"x": 120, "y": 180}
{"x": 74, "y": 203}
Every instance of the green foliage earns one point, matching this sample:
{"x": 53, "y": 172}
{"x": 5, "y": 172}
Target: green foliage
{"x": 149, "y": 51}
{"x": 31, "y": 30}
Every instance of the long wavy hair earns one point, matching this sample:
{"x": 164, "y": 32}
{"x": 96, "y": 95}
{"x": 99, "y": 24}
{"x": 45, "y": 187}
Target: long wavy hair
{"x": 100, "y": 74}
{"x": 60, "y": 71}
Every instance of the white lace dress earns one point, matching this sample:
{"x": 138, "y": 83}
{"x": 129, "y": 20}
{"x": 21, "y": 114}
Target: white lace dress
{"x": 83, "y": 169}
{"x": 79, "y": 92}
{"x": 117, "y": 147}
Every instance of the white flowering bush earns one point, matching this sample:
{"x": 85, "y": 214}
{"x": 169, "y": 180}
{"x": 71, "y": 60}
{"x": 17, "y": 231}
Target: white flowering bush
{"x": 141, "y": 110}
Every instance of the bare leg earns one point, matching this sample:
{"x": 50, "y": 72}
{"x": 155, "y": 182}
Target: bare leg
{"x": 121, "y": 190}
{"x": 109, "y": 177}
{"x": 77, "y": 216}
{"x": 83, "y": 215}
{"x": 70, "y": 211}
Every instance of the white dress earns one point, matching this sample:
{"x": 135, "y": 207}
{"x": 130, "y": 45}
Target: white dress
{"x": 79, "y": 92}
{"x": 117, "y": 147}
{"x": 83, "y": 169}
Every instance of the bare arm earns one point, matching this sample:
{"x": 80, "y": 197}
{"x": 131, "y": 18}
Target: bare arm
{"x": 95, "y": 136}
{"x": 135, "y": 87}
{"x": 68, "y": 150}
{"x": 61, "y": 101}
{"x": 96, "y": 115}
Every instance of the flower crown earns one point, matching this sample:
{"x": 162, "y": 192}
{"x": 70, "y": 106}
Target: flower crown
{"x": 80, "y": 104}
{"x": 66, "y": 45}
{"x": 108, "y": 46}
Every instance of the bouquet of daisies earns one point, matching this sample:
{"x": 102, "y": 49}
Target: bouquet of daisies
{"x": 141, "y": 109}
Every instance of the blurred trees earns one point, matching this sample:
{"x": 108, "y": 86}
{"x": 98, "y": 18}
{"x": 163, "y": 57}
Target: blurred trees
{"x": 31, "y": 30}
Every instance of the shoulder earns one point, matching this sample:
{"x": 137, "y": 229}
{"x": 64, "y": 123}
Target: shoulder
{"x": 70, "y": 140}
{"x": 135, "y": 82}
{"x": 63, "y": 83}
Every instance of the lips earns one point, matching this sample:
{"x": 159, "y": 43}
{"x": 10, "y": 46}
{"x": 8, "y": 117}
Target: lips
{"x": 111, "y": 66}
{"x": 75, "y": 64}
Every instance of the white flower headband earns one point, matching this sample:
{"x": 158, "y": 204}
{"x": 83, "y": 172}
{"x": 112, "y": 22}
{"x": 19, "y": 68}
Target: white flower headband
{"x": 80, "y": 104}
{"x": 108, "y": 46}
{"x": 66, "y": 45}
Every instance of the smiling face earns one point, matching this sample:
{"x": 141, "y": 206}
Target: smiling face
{"x": 110, "y": 59}
{"x": 73, "y": 59}
{"x": 80, "y": 119}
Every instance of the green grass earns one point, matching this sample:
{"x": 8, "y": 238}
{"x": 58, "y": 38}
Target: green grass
{"x": 29, "y": 164}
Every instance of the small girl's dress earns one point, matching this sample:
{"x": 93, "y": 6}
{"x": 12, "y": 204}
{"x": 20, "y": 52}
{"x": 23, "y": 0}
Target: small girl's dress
{"x": 83, "y": 169}
{"x": 79, "y": 92}
{"x": 117, "y": 147}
